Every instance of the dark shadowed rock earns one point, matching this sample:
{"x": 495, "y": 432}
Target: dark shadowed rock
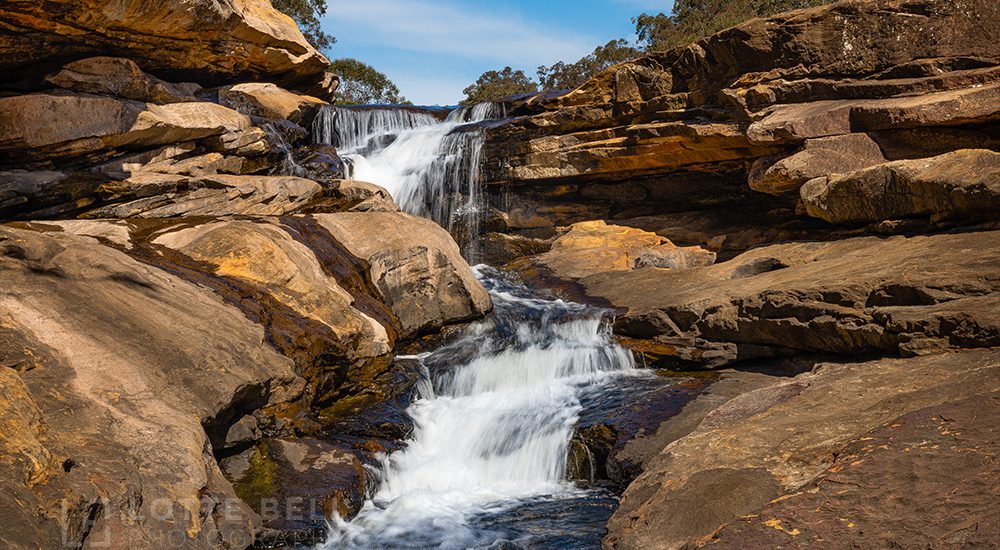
{"x": 120, "y": 77}
{"x": 297, "y": 484}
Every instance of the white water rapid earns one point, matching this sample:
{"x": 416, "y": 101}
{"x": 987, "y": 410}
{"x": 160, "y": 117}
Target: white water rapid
{"x": 492, "y": 424}
{"x": 493, "y": 417}
{"x": 430, "y": 166}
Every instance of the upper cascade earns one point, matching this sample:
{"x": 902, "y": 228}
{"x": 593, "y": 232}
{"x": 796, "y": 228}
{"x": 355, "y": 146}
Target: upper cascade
{"x": 431, "y": 167}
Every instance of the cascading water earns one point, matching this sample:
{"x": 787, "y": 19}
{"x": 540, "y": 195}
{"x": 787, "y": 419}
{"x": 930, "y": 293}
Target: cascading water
{"x": 486, "y": 463}
{"x": 492, "y": 422}
{"x": 431, "y": 167}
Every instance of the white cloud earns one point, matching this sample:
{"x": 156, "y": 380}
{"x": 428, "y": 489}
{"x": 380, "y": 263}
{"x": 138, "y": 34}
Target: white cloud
{"x": 438, "y": 27}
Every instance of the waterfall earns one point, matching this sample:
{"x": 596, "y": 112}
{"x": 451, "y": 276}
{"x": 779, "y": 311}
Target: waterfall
{"x": 431, "y": 167}
{"x": 492, "y": 423}
{"x": 354, "y": 130}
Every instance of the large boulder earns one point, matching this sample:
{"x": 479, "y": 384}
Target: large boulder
{"x": 269, "y": 101}
{"x": 137, "y": 354}
{"x": 267, "y": 256}
{"x": 130, "y": 392}
{"x": 963, "y": 185}
{"x": 595, "y": 247}
{"x": 205, "y": 41}
{"x": 793, "y": 123}
{"x": 818, "y": 157}
{"x": 415, "y": 265}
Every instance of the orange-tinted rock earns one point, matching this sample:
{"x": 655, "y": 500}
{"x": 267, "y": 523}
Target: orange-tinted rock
{"x": 204, "y": 41}
{"x": 589, "y": 248}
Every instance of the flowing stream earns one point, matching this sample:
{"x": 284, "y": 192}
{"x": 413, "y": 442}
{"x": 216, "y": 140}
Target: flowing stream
{"x": 485, "y": 466}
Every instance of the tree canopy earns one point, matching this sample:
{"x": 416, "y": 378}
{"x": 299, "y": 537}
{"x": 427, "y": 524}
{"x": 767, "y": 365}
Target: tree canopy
{"x": 566, "y": 76}
{"x": 307, "y": 13}
{"x": 496, "y": 85}
{"x": 362, "y": 84}
{"x": 692, "y": 20}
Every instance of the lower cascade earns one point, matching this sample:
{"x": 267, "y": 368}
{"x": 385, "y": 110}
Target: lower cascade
{"x": 492, "y": 425}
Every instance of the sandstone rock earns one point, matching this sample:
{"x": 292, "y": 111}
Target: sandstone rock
{"x": 843, "y": 41}
{"x": 130, "y": 380}
{"x": 153, "y": 195}
{"x": 833, "y": 297}
{"x": 817, "y": 158}
{"x": 267, "y": 256}
{"x": 206, "y": 41}
{"x": 963, "y": 185}
{"x": 763, "y": 466}
{"x": 622, "y": 150}
{"x": 200, "y": 165}
{"x": 415, "y": 265}
{"x": 122, "y": 78}
{"x": 117, "y": 233}
{"x": 360, "y": 196}
{"x": 935, "y": 462}
{"x": 90, "y": 124}
{"x": 595, "y": 247}
{"x": 793, "y": 123}
{"x": 919, "y": 77}
{"x": 269, "y": 101}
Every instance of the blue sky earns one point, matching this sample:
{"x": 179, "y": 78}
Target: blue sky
{"x": 432, "y": 49}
